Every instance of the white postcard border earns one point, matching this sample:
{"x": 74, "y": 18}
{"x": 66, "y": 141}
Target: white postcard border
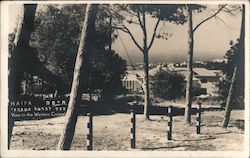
{"x": 132, "y": 153}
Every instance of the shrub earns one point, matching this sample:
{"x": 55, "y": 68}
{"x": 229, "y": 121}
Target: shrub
{"x": 168, "y": 85}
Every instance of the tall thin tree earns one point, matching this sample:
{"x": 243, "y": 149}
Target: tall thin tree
{"x": 241, "y": 56}
{"x": 20, "y": 45}
{"x": 191, "y": 31}
{"x": 142, "y": 22}
{"x": 72, "y": 112}
{"x": 110, "y": 32}
{"x": 137, "y": 15}
{"x": 189, "y": 66}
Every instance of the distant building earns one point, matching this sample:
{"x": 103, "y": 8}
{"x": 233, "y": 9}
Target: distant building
{"x": 152, "y": 72}
{"x": 220, "y": 60}
{"x": 207, "y": 79}
{"x": 203, "y": 78}
{"x": 183, "y": 72}
{"x": 199, "y": 62}
{"x": 133, "y": 81}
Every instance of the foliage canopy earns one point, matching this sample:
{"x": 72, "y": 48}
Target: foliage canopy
{"x": 56, "y": 37}
{"x": 233, "y": 58}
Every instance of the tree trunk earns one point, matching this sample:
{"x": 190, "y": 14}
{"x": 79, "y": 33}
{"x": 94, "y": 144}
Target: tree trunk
{"x": 229, "y": 99}
{"x": 90, "y": 96}
{"x": 32, "y": 86}
{"x": 21, "y": 43}
{"x": 146, "y": 87}
{"x": 145, "y": 60}
{"x": 110, "y": 33}
{"x": 71, "y": 114}
{"x": 189, "y": 76}
{"x": 241, "y": 56}
{"x": 241, "y": 66}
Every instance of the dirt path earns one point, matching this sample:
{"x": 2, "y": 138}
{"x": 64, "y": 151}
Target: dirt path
{"x": 112, "y": 132}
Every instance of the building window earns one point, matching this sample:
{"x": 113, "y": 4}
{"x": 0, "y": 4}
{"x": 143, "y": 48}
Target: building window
{"x": 203, "y": 80}
{"x": 203, "y": 91}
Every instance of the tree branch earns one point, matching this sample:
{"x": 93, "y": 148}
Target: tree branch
{"x": 231, "y": 10}
{"x": 133, "y": 14}
{"x": 202, "y": 22}
{"x": 218, "y": 18}
{"x": 133, "y": 22}
{"x": 139, "y": 18}
{"x": 132, "y": 37}
{"x": 144, "y": 30}
{"x": 153, "y": 37}
{"x": 120, "y": 28}
{"x": 144, "y": 23}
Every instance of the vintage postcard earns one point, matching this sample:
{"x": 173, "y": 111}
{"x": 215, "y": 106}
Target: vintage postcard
{"x": 125, "y": 79}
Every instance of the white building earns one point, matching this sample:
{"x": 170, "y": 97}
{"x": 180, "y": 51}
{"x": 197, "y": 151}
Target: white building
{"x": 133, "y": 81}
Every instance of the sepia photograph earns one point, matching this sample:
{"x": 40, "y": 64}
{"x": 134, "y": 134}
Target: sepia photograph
{"x": 125, "y": 79}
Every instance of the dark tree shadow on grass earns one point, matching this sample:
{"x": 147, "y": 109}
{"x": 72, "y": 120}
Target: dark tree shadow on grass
{"x": 123, "y": 106}
{"x": 194, "y": 140}
{"x": 219, "y": 133}
{"x": 165, "y": 147}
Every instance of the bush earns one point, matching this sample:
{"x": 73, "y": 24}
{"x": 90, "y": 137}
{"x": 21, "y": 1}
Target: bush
{"x": 168, "y": 85}
{"x": 198, "y": 91}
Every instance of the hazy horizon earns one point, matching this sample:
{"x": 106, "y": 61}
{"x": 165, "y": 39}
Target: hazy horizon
{"x": 168, "y": 58}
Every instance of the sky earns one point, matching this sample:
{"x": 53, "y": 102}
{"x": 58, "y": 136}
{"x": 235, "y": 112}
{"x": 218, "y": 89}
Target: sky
{"x": 211, "y": 40}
